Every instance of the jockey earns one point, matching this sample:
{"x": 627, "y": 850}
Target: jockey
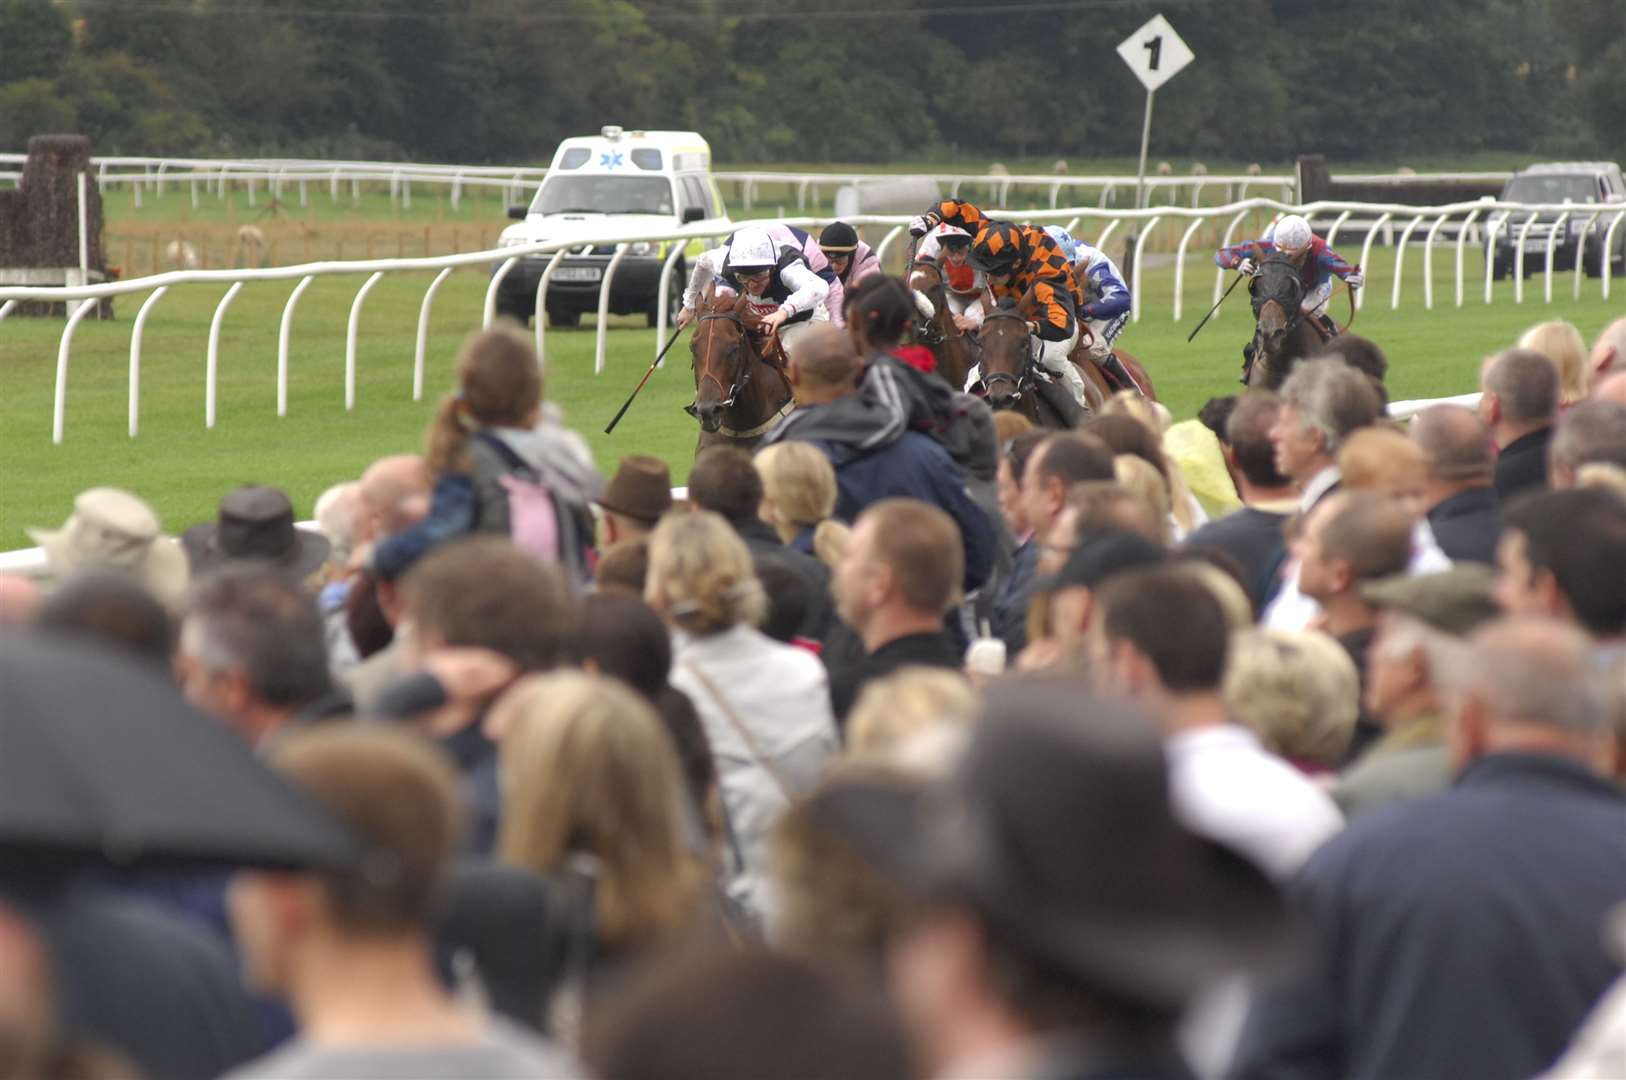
{"x": 851, "y": 261}
{"x": 1317, "y": 264}
{"x": 964, "y": 286}
{"x": 1107, "y": 301}
{"x": 1017, "y": 259}
{"x": 772, "y": 268}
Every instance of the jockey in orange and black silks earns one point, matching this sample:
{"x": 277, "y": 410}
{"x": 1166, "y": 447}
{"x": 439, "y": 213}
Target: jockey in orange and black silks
{"x": 1017, "y": 259}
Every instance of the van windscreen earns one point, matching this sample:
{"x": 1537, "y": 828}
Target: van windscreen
{"x": 604, "y": 195}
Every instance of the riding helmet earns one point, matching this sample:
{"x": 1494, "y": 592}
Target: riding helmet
{"x": 751, "y": 249}
{"x": 997, "y": 248}
{"x": 838, "y": 238}
{"x": 950, "y": 237}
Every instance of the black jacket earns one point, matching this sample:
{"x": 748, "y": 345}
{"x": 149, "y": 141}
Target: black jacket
{"x": 1252, "y": 537}
{"x": 1468, "y": 524}
{"x": 765, "y": 545}
{"x": 916, "y": 650}
{"x": 1522, "y": 464}
{"x": 1455, "y": 935}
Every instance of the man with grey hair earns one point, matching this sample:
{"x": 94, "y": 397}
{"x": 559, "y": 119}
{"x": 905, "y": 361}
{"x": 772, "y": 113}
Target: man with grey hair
{"x": 1458, "y": 935}
{"x": 1592, "y": 432}
{"x": 1323, "y": 401}
{"x": 1609, "y": 352}
{"x": 1518, "y": 402}
{"x": 1463, "y": 510}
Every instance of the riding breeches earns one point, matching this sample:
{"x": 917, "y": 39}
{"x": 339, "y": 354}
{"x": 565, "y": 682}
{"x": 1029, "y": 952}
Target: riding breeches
{"x": 967, "y": 305}
{"x": 1053, "y": 357}
{"x": 791, "y": 331}
{"x": 1104, "y": 332}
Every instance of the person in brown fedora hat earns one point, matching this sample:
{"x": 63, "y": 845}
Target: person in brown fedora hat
{"x": 637, "y": 496}
{"x": 255, "y": 523}
{"x": 1066, "y": 918}
{"x": 111, "y": 529}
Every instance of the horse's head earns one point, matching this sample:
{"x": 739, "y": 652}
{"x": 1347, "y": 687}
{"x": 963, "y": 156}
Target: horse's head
{"x": 1278, "y": 290}
{"x": 1007, "y": 353}
{"x": 722, "y": 352}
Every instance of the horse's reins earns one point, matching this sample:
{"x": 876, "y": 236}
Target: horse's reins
{"x": 734, "y": 389}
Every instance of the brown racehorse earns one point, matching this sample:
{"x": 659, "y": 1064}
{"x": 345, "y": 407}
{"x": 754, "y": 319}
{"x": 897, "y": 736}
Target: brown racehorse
{"x": 954, "y": 350}
{"x": 1283, "y": 334}
{"x": 1098, "y": 378}
{"x": 739, "y": 393}
{"x": 1010, "y": 376}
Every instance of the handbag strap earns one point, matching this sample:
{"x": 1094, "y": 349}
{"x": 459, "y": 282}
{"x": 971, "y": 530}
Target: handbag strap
{"x": 739, "y": 726}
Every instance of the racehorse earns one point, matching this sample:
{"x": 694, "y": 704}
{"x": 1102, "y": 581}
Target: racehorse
{"x": 954, "y": 350}
{"x": 1010, "y": 376}
{"x": 1283, "y": 335}
{"x": 1097, "y": 377}
{"x": 740, "y": 388}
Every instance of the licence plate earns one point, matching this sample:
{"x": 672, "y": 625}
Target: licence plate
{"x": 579, "y": 273}
{"x": 1535, "y": 243}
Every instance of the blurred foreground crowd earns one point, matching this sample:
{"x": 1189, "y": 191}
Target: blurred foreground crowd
{"x": 1288, "y": 741}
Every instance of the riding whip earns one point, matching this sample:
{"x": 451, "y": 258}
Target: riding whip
{"x": 1215, "y": 308}
{"x": 658, "y": 357}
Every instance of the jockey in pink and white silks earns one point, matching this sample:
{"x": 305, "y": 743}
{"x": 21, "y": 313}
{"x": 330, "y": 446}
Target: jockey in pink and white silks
{"x": 851, "y": 260}
{"x": 772, "y": 267}
{"x": 965, "y": 287}
{"x": 1318, "y": 264}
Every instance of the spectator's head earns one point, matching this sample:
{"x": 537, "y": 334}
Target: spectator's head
{"x": 341, "y": 517}
{"x": 1529, "y": 684}
{"x": 112, "y": 530}
{"x": 1069, "y": 595}
{"x": 1154, "y": 415}
{"x": 1110, "y": 504}
{"x": 1383, "y": 461}
{"x": 901, "y": 570}
{"x": 1560, "y": 557}
{"x": 798, "y": 487}
{"x": 1215, "y": 415}
{"x": 114, "y": 610}
{"x": 635, "y": 498}
{"x": 1417, "y": 648}
{"x": 255, "y": 526}
{"x": 1457, "y": 448}
{"x": 1323, "y": 402}
{"x": 1054, "y": 466}
{"x": 789, "y": 596}
{"x": 1125, "y": 434}
{"x": 725, "y": 482}
{"x": 252, "y": 650}
{"x": 20, "y": 600}
{"x": 621, "y": 637}
{"x": 624, "y": 566}
{"x": 398, "y": 795}
{"x": 1608, "y": 353}
{"x": 893, "y": 710}
{"x": 394, "y": 495}
{"x": 588, "y": 769}
{"x": 834, "y": 903}
{"x": 1249, "y": 450}
{"x": 499, "y": 386}
{"x": 701, "y": 579}
{"x": 733, "y": 1015}
{"x": 1297, "y": 690}
{"x": 1141, "y": 481}
{"x": 1008, "y": 424}
{"x": 1519, "y": 393}
{"x": 484, "y": 591}
{"x": 879, "y": 311}
{"x": 1350, "y": 538}
{"x": 1013, "y": 464}
{"x": 824, "y": 365}
{"x": 1612, "y": 386}
{"x": 1148, "y": 655}
{"x": 1591, "y": 433}
{"x": 1561, "y": 343}
{"x": 1362, "y": 354}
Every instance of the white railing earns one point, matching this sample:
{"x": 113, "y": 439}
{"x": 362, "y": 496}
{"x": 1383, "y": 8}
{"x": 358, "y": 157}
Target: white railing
{"x": 1607, "y": 219}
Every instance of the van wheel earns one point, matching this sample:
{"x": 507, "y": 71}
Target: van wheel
{"x": 564, "y": 318}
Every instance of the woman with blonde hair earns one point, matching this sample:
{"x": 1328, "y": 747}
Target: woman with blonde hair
{"x": 588, "y": 770}
{"x": 798, "y": 491}
{"x": 1298, "y": 691}
{"x": 1561, "y": 342}
{"x": 890, "y": 712}
{"x": 765, "y": 706}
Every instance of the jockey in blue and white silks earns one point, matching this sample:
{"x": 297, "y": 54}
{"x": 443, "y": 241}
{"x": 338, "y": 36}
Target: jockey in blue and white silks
{"x": 1107, "y": 298}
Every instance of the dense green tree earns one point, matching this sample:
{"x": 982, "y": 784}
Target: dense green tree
{"x": 35, "y": 40}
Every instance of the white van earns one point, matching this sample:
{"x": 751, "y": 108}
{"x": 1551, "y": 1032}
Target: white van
{"x": 616, "y": 181}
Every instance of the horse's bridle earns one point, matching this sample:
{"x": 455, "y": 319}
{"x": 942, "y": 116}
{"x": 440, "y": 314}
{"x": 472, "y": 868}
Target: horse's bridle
{"x": 1022, "y": 380}
{"x": 732, "y": 393}
{"x": 1290, "y": 307}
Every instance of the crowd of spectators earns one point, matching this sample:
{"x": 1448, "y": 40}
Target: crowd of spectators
{"x": 1288, "y": 741}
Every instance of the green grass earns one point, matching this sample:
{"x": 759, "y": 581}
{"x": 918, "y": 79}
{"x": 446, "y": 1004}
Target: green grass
{"x": 183, "y": 468}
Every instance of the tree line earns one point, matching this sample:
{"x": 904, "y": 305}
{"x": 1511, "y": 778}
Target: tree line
{"x": 845, "y": 80}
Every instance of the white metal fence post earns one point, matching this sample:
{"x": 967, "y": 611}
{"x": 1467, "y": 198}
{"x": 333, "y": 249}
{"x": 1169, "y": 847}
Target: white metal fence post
{"x": 1180, "y": 264}
{"x": 59, "y": 409}
{"x": 542, "y": 301}
{"x": 604, "y": 308}
{"x": 1400, "y": 258}
{"x": 283, "y": 333}
{"x": 350, "y": 333}
{"x": 1428, "y": 262}
{"x": 1518, "y": 257}
{"x": 1608, "y": 247}
{"x": 423, "y": 332}
{"x": 1140, "y": 254}
{"x": 1552, "y": 253}
{"x": 212, "y": 360}
{"x": 491, "y": 289}
{"x": 663, "y": 301}
{"x": 135, "y": 357}
{"x": 1462, "y": 235}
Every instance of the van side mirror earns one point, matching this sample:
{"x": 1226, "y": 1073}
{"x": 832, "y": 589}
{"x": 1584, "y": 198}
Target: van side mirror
{"x": 693, "y": 213}
{"x": 518, "y": 212}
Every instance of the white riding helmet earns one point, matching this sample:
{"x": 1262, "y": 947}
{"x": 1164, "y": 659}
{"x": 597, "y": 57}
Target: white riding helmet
{"x": 751, "y": 249}
{"x": 1292, "y": 233}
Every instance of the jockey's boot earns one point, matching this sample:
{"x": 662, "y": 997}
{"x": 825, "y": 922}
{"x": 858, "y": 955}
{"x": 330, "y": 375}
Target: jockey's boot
{"x": 1328, "y": 328}
{"x": 1247, "y": 362}
{"x": 1119, "y": 374}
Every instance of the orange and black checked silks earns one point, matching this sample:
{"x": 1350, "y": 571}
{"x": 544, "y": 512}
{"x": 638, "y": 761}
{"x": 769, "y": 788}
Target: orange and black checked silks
{"x": 1041, "y": 265}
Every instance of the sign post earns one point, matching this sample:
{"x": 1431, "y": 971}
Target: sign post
{"x": 1155, "y": 54}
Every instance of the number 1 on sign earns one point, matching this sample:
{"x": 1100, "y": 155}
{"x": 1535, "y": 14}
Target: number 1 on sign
{"x": 1154, "y": 49}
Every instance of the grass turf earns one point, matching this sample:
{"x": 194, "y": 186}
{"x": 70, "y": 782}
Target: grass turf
{"x": 182, "y": 467}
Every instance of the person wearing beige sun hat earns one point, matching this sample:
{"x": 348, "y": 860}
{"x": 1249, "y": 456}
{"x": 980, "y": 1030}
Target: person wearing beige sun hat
{"x": 114, "y": 530}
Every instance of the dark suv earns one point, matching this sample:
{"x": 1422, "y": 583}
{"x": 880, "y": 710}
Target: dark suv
{"x": 1596, "y": 189}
